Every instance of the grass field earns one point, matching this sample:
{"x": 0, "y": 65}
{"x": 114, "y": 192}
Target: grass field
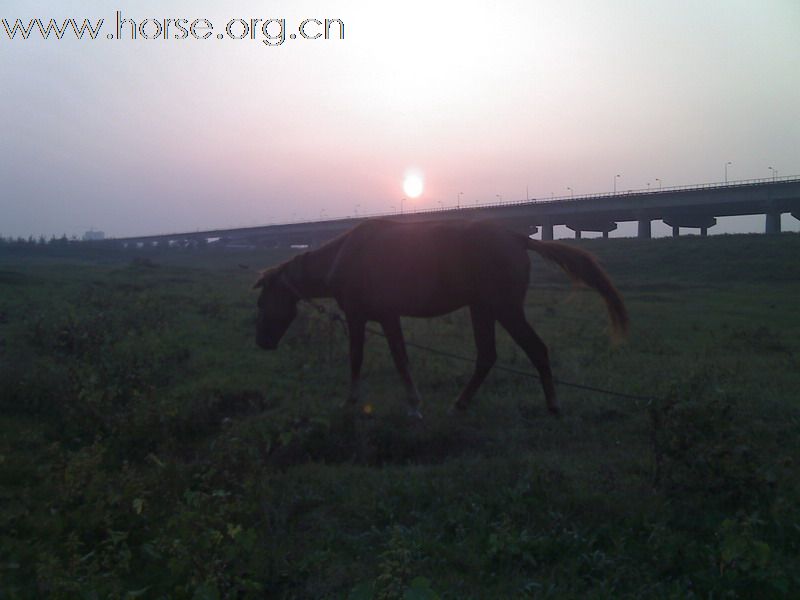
{"x": 148, "y": 449}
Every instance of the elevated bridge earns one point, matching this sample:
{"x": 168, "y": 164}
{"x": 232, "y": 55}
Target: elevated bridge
{"x": 695, "y": 206}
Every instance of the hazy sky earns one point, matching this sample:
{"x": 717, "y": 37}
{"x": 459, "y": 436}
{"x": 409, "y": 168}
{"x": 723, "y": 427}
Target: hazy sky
{"x": 151, "y": 136}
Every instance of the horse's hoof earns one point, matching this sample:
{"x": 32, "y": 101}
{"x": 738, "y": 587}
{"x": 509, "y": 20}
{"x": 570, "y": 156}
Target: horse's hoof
{"x": 414, "y": 414}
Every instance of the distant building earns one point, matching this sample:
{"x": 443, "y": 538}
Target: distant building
{"x": 93, "y": 235}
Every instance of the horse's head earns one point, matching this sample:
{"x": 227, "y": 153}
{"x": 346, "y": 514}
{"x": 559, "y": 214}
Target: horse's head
{"x": 277, "y": 308}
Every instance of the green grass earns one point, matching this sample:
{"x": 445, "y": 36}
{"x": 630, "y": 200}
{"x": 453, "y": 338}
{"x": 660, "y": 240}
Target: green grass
{"x": 149, "y": 449}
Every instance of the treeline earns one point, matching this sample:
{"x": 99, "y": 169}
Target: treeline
{"x": 63, "y": 246}
{"x": 37, "y": 241}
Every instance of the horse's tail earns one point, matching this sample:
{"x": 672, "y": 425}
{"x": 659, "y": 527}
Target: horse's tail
{"x": 582, "y": 266}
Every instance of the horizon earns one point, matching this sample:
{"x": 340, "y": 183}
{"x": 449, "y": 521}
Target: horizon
{"x": 135, "y": 137}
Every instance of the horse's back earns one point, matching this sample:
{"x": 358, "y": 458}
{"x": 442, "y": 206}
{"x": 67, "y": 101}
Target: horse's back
{"x": 430, "y": 267}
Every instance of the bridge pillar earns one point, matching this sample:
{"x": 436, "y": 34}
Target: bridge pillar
{"x": 547, "y": 232}
{"x": 605, "y": 235}
{"x": 645, "y": 230}
{"x": 581, "y": 225}
{"x": 773, "y": 222}
{"x": 701, "y": 222}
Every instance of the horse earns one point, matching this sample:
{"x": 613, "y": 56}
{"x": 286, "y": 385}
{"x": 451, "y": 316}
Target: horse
{"x": 382, "y": 270}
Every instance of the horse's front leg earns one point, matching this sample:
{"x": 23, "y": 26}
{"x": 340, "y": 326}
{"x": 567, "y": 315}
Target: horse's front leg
{"x": 397, "y": 346}
{"x": 356, "y": 326}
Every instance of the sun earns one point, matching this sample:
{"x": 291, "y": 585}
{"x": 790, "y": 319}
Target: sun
{"x": 413, "y": 184}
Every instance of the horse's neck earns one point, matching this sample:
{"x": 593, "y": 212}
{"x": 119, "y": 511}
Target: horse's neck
{"x": 317, "y": 265}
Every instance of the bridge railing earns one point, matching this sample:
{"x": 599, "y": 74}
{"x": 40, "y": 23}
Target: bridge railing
{"x": 532, "y": 201}
{"x": 564, "y": 198}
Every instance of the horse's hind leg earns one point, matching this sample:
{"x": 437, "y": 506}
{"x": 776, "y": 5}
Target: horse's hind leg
{"x": 397, "y": 346}
{"x": 523, "y": 334}
{"x": 355, "y": 327}
{"x": 483, "y": 330}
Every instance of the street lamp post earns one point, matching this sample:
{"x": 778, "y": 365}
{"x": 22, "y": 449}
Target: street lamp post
{"x": 659, "y": 183}
{"x": 499, "y": 197}
{"x": 726, "y": 170}
{"x": 617, "y": 176}
{"x": 774, "y": 173}
{"x": 401, "y": 205}
{"x": 458, "y": 199}
{"x": 572, "y": 192}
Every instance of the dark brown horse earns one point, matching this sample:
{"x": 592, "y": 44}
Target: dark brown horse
{"x": 382, "y": 270}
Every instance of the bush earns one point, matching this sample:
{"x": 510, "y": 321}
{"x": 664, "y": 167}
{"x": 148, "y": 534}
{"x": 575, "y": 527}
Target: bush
{"x": 702, "y": 454}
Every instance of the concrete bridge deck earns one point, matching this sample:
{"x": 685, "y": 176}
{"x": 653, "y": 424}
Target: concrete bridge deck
{"x": 686, "y": 206}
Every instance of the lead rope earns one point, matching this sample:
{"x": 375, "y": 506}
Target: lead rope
{"x": 336, "y": 317}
